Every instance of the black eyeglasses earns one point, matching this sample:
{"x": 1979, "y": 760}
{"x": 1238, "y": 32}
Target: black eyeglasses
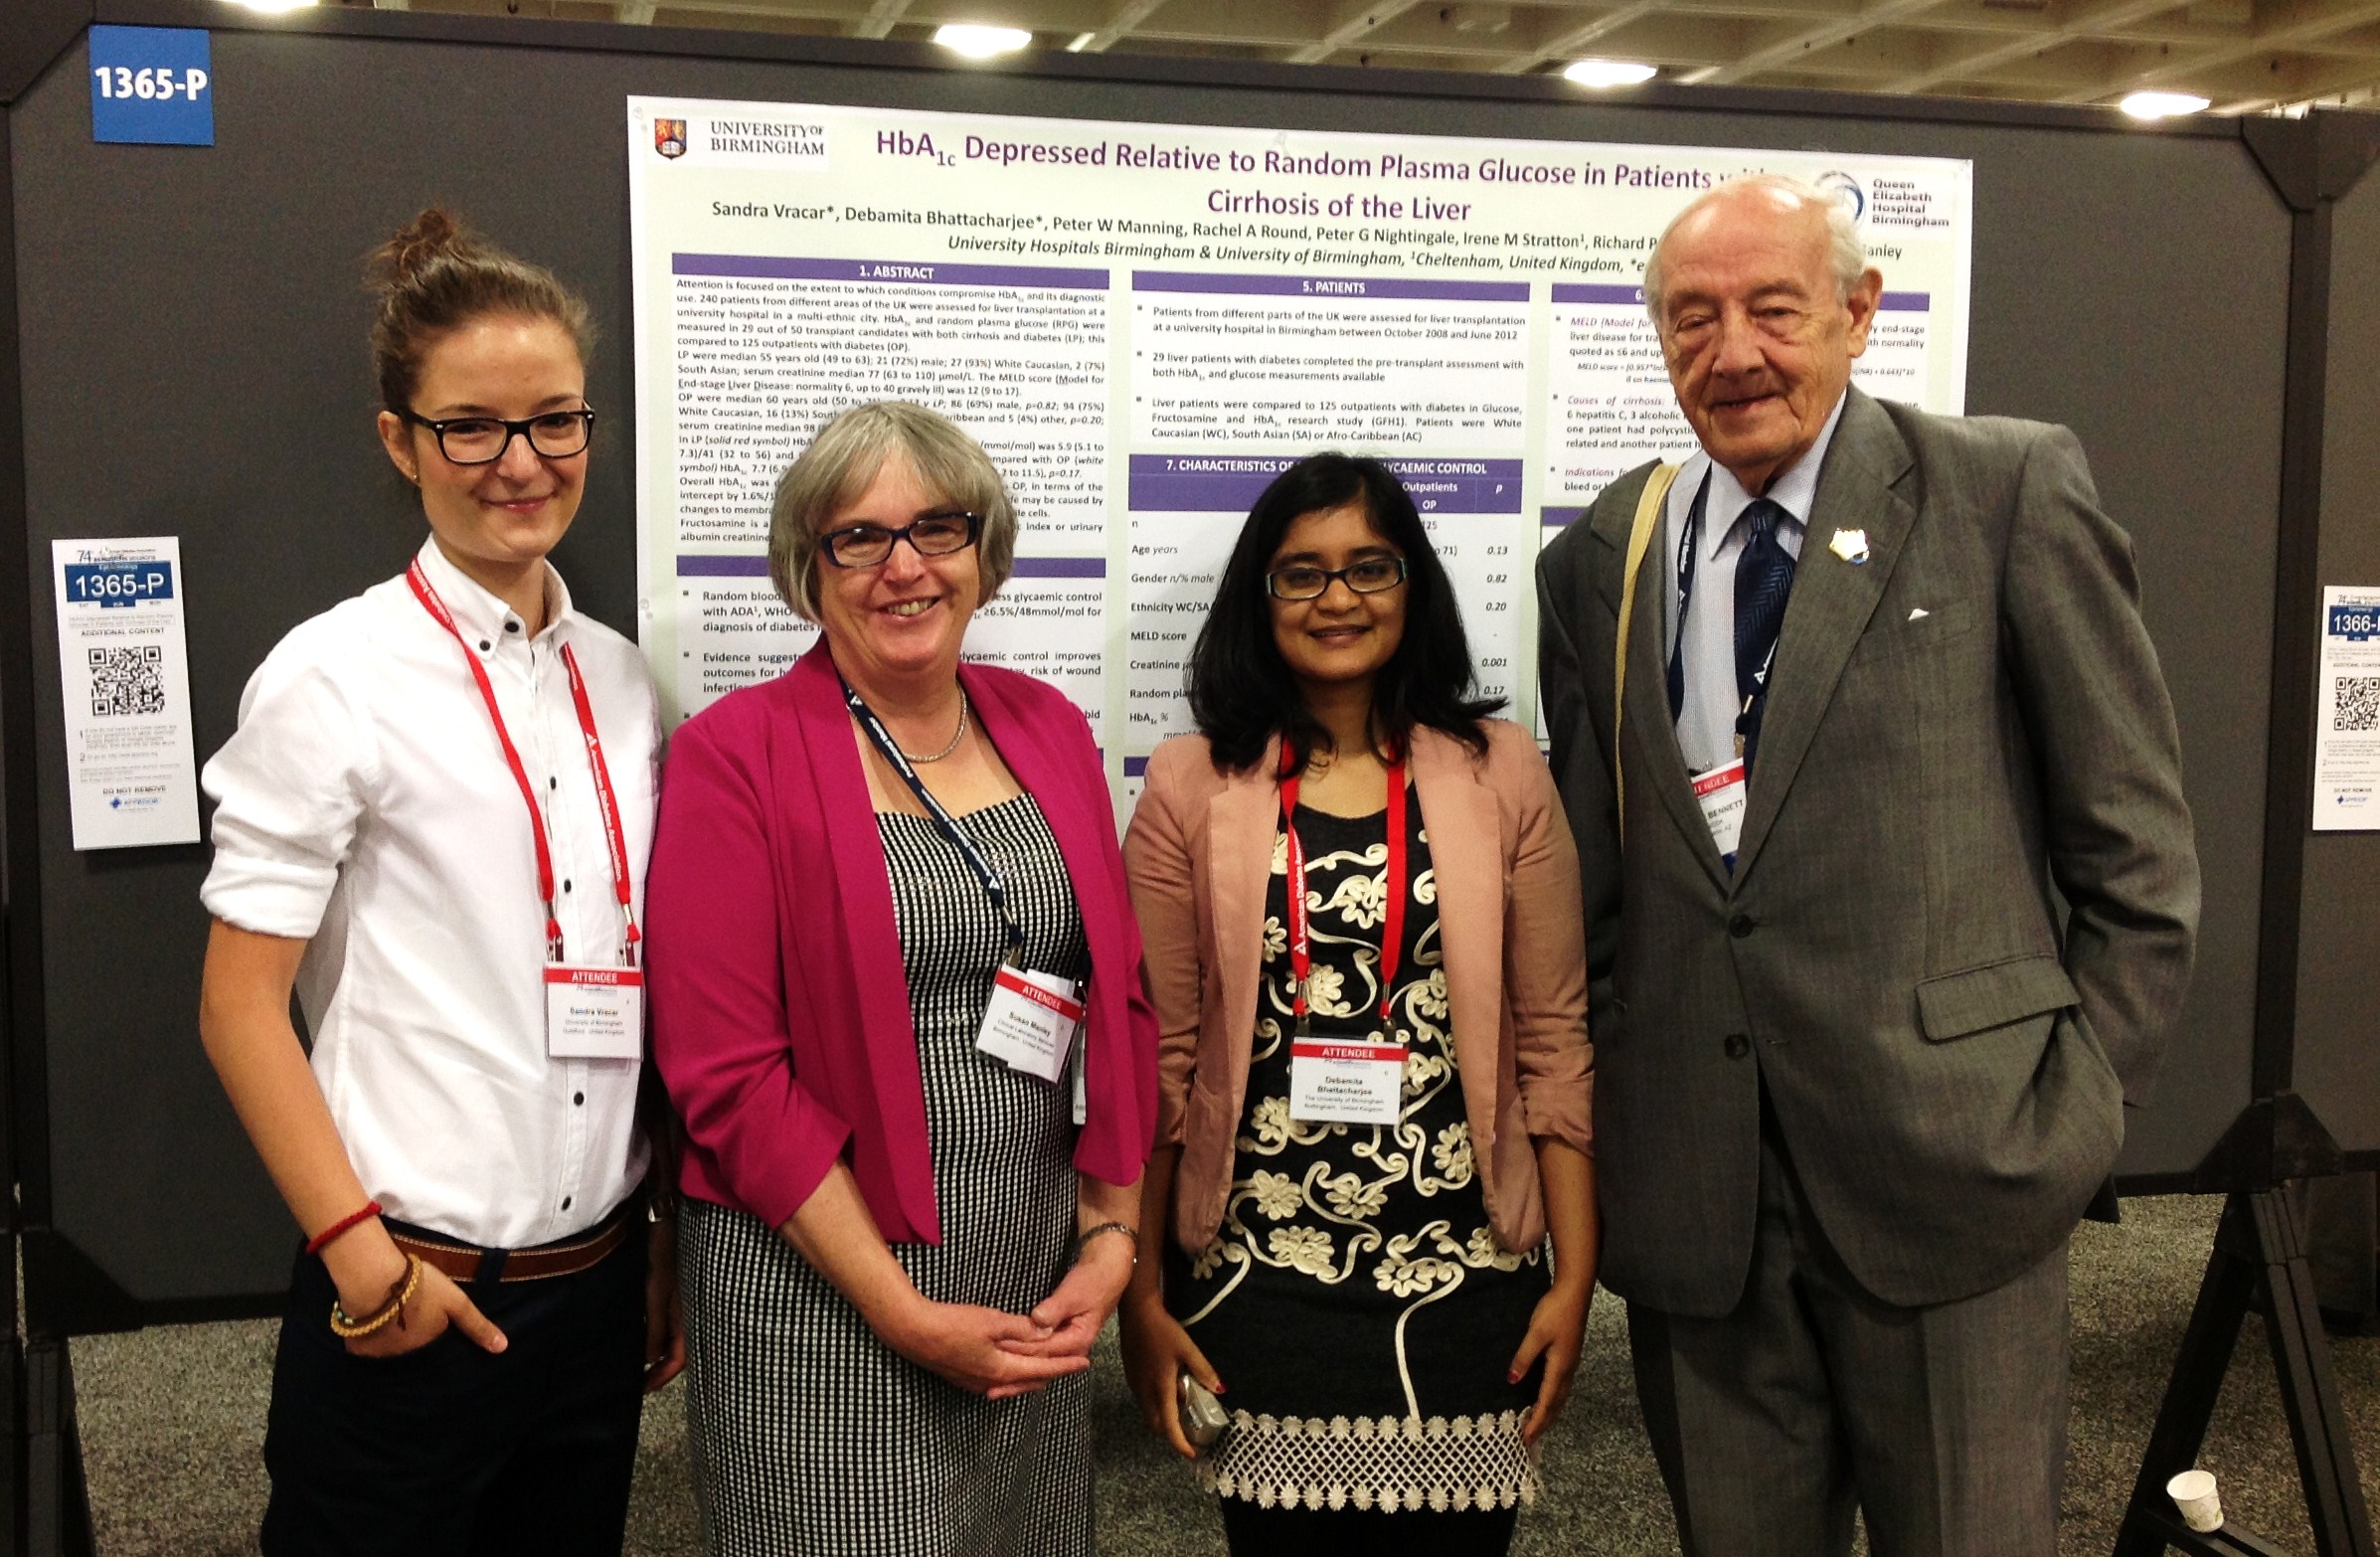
{"x": 928, "y": 535}
{"x": 482, "y": 441}
{"x": 1303, "y": 582}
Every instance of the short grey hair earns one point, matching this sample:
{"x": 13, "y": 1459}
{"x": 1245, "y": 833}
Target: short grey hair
{"x": 1846, "y": 253}
{"x": 841, "y": 463}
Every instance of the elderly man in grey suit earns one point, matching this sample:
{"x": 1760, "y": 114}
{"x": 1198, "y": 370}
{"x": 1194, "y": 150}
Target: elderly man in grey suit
{"x": 1859, "y": 1067}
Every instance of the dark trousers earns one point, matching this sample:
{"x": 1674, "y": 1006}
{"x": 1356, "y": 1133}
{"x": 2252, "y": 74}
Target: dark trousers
{"x": 1251, "y": 1531}
{"x": 1945, "y": 1426}
{"x": 448, "y": 1451}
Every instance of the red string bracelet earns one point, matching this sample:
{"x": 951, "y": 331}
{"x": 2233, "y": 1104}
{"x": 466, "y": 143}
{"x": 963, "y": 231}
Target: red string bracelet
{"x": 331, "y": 1234}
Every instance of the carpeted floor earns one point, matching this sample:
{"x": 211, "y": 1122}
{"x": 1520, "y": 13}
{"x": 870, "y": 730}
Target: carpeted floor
{"x": 172, "y": 1421}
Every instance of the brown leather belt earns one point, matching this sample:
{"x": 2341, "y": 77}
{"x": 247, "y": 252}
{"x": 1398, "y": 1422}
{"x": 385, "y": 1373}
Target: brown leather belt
{"x": 462, "y": 1263}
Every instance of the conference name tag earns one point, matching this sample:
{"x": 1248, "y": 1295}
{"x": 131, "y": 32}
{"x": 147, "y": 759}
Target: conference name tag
{"x": 1031, "y": 1020}
{"x": 1346, "y": 1080}
{"x": 595, "y": 1013}
{"x": 1720, "y": 793}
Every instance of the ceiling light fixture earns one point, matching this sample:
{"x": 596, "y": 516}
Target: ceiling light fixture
{"x": 1080, "y": 43}
{"x": 1609, "y": 72}
{"x": 273, "y": 6}
{"x": 2161, "y": 104}
{"x": 981, "y": 43}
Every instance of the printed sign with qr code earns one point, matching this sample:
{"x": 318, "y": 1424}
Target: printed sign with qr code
{"x": 128, "y": 680}
{"x": 2346, "y": 792}
{"x": 125, "y": 669}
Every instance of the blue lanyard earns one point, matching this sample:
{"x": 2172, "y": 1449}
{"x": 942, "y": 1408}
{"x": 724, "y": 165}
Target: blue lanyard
{"x": 946, "y": 824}
{"x": 1687, "y": 558}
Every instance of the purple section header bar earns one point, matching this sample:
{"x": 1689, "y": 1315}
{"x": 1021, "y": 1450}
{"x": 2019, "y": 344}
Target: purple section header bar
{"x": 1575, "y": 292}
{"x": 1633, "y": 297}
{"x": 1330, "y": 287}
{"x": 1061, "y": 567}
{"x": 916, "y": 273}
{"x": 1231, "y": 484}
{"x": 1555, "y": 518}
{"x": 723, "y": 567}
{"x": 1136, "y": 766}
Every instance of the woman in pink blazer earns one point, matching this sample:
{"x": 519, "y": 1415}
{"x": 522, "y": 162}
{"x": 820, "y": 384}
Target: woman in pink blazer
{"x": 1374, "y": 1089}
{"x": 885, "y": 900}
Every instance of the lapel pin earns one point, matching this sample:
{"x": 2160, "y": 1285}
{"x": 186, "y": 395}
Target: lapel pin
{"x": 1851, "y": 546}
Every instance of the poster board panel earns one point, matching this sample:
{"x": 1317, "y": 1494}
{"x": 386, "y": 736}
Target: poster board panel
{"x": 193, "y": 348}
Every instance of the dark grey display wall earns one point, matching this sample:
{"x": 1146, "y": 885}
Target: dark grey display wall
{"x": 2338, "y": 965}
{"x": 193, "y": 360}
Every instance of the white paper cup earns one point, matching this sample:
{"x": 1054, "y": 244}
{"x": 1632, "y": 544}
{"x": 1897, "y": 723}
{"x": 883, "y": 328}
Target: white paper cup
{"x": 2193, "y": 1493}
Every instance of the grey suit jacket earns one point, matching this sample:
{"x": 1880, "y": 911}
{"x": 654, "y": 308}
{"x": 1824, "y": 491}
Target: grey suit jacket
{"x": 1946, "y": 1055}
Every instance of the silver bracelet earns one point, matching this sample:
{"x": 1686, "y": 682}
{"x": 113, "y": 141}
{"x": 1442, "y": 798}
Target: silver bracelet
{"x": 1084, "y": 1237}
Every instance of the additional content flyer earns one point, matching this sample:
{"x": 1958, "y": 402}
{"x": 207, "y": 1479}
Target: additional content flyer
{"x": 124, "y": 668}
{"x": 1143, "y": 323}
{"x": 2347, "y": 736}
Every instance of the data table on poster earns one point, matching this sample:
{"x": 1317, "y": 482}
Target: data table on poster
{"x": 1186, "y": 514}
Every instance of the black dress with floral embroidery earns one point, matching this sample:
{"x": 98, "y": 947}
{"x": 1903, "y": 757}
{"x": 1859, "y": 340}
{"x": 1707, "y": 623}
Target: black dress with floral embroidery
{"x": 1355, "y": 1303}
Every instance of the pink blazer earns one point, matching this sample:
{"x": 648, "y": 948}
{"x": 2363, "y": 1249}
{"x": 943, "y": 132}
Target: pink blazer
{"x": 780, "y": 1011}
{"x": 1199, "y": 854}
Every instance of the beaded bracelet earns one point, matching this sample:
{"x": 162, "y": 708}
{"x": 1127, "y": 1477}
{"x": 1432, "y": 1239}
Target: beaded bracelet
{"x": 355, "y": 1329}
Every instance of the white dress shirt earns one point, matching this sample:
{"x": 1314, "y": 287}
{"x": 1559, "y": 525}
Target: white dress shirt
{"x": 1706, "y": 725}
{"x": 365, "y": 807}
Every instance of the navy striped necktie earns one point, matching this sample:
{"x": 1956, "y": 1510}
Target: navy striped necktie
{"x": 1764, "y": 578}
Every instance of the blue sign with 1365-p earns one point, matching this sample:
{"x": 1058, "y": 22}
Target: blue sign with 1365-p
{"x": 152, "y": 86}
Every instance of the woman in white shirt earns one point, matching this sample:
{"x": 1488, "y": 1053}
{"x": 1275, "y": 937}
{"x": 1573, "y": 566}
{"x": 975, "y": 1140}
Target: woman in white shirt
{"x": 432, "y": 825}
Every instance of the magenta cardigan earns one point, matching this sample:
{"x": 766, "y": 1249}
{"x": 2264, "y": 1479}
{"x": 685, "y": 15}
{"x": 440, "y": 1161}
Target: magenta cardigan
{"x": 780, "y": 1012}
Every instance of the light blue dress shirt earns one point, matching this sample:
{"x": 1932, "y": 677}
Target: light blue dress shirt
{"x": 1706, "y": 725}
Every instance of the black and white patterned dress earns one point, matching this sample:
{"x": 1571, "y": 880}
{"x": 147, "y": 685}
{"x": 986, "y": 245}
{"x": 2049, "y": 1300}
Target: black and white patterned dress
{"x": 810, "y": 1437}
{"x": 1356, "y": 1304}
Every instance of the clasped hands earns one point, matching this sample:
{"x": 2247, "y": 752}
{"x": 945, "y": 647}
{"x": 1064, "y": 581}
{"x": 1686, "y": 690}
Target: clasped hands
{"x": 996, "y": 1355}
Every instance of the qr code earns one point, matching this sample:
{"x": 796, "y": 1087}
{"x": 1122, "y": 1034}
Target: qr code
{"x": 128, "y": 681}
{"x": 2358, "y": 704}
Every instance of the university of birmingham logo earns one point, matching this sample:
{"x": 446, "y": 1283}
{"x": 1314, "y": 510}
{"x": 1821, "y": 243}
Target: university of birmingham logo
{"x": 669, "y": 138}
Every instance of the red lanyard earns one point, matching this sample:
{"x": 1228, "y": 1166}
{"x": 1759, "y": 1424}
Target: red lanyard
{"x": 613, "y": 835}
{"x": 1391, "y": 930}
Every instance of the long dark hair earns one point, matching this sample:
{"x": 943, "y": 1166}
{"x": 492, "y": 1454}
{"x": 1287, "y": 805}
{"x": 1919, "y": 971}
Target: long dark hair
{"x": 1241, "y": 690}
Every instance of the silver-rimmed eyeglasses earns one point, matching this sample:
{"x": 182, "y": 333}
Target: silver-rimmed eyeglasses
{"x": 482, "y": 441}
{"x": 928, "y": 535}
{"x": 1303, "y": 582}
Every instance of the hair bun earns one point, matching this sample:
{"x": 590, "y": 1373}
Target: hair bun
{"x": 434, "y": 276}
{"x": 428, "y": 237}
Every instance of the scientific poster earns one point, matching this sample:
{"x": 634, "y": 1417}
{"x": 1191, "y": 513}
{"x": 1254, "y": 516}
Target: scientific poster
{"x": 1143, "y": 322}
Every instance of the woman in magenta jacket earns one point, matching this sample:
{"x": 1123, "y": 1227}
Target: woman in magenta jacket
{"x": 874, "y": 880}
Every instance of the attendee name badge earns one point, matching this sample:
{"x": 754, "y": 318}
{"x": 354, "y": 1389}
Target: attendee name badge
{"x": 1031, "y": 1020}
{"x": 595, "y": 1013}
{"x": 1720, "y": 793}
{"x": 1346, "y": 1080}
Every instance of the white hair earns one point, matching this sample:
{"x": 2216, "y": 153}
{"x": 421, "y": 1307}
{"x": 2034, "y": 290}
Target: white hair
{"x": 1844, "y": 252}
